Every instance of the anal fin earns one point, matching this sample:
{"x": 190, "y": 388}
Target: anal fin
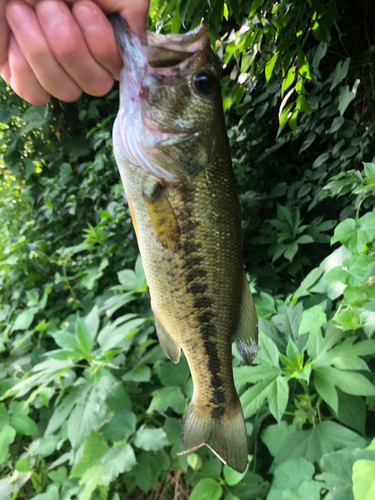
{"x": 169, "y": 346}
{"x": 246, "y": 335}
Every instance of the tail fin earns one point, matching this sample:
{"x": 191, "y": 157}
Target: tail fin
{"x": 227, "y": 434}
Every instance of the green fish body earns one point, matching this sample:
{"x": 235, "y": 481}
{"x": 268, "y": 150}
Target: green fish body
{"x": 173, "y": 154}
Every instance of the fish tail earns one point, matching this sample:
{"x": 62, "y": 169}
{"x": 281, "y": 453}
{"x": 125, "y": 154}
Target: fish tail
{"x": 227, "y": 433}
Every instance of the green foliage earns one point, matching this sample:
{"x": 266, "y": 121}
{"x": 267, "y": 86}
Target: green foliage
{"x": 90, "y": 407}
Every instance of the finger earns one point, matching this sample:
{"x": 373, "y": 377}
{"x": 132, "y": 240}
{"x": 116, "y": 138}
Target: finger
{"x": 30, "y": 38}
{"x": 22, "y": 78}
{"x": 135, "y": 13}
{"x": 69, "y": 47}
{"x": 4, "y": 36}
{"x": 98, "y": 34}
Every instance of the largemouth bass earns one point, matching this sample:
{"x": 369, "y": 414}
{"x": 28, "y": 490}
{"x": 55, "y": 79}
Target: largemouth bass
{"x": 172, "y": 151}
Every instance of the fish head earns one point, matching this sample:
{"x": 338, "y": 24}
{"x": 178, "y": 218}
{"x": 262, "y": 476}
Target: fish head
{"x": 170, "y": 120}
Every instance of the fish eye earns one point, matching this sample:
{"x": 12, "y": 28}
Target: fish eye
{"x": 204, "y": 82}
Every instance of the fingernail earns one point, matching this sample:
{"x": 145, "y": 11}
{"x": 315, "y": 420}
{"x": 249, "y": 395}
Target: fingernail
{"x": 50, "y": 13}
{"x": 86, "y": 18}
{"x": 19, "y": 15}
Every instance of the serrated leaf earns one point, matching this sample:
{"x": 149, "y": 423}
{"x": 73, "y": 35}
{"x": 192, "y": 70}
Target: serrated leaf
{"x": 116, "y": 461}
{"x": 82, "y": 419}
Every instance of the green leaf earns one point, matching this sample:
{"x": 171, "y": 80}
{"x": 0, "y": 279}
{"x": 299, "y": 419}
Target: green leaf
{"x": 352, "y": 411}
{"x": 63, "y": 410}
{"x": 265, "y": 305}
{"x": 312, "y": 444}
{"x": 68, "y": 341}
{"x": 140, "y": 373}
{"x": 92, "y": 449}
{"x": 278, "y": 394}
{"x": 12, "y": 484}
{"x": 82, "y": 419}
{"x": 52, "y": 493}
{"x": 183, "y": 8}
{"x": 350, "y": 382}
{"x": 206, "y": 489}
{"x": 83, "y": 335}
{"x": 364, "y": 479}
{"x": 174, "y": 374}
{"x": 303, "y": 65}
{"x": 268, "y": 352}
{"x": 168, "y": 397}
{"x": 326, "y": 389}
{"x": 58, "y": 476}
{"x": 341, "y": 71}
{"x": 349, "y": 320}
{"x": 320, "y": 160}
{"x": 346, "y": 96}
{"x": 336, "y": 470}
{"x": 150, "y": 439}
{"x": 25, "y": 318}
{"x": 254, "y": 397}
{"x": 290, "y": 476}
{"x": 7, "y": 435}
{"x": 92, "y": 322}
{"x": 312, "y": 320}
{"x": 231, "y": 476}
{"x": 116, "y": 461}
{"x": 288, "y": 320}
{"x": 92, "y": 478}
{"x": 19, "y": 419}
{"x": 118, "y": 399}
{"x": 44, "y": 447}
{"x": 121, "y": 426}
{"x": 269, "y": 66}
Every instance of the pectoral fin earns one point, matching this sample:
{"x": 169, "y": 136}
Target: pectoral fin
{"x": 246, "y": 335}
{"x": 171, "y": 349}
{"x": 162, "y": 217}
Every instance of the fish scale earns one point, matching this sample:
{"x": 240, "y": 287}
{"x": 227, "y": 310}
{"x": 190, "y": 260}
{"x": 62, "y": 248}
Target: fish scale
{"x": 181, "y": 191}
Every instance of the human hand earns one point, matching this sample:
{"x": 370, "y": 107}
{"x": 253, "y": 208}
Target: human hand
{"x": 47, "y": 49}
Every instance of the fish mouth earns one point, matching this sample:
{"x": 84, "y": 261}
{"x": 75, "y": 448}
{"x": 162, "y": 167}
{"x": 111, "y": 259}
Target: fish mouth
{"x": 160, "y": 52}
